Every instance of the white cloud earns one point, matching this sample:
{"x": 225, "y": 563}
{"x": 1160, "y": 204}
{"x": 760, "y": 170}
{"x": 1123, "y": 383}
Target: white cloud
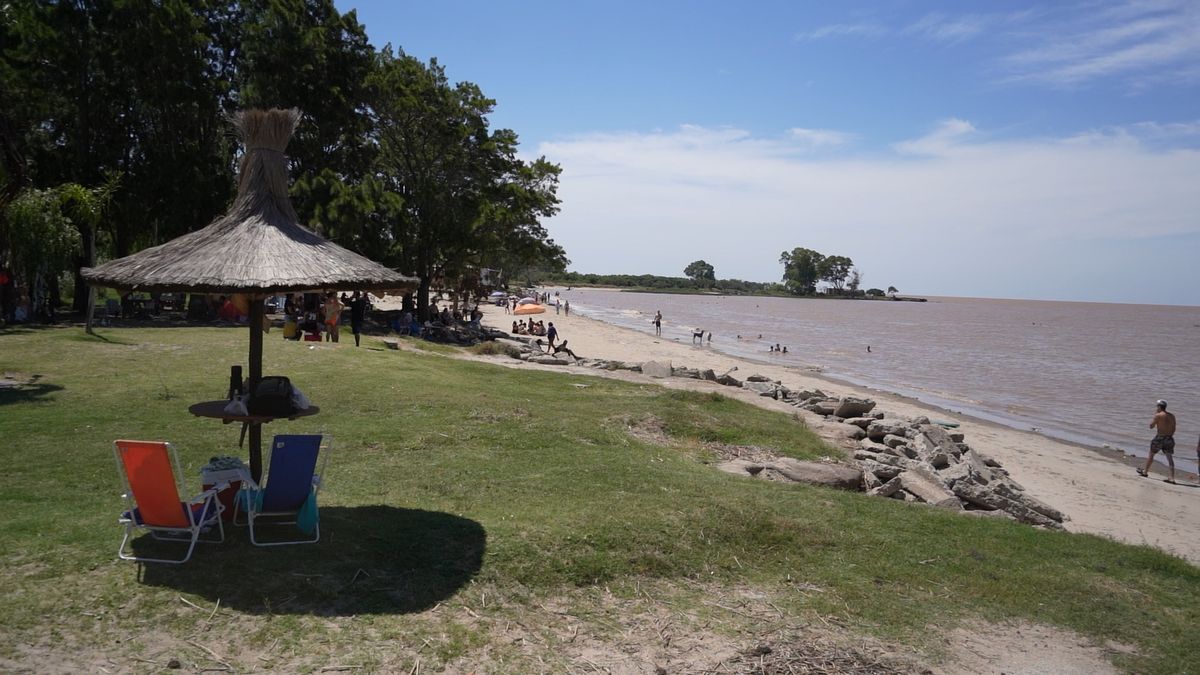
{"x": 954, "y": 212}
{"x": 842, "y": 30}
{"x": 819, "y": 138}
{"x": 1158, "y": 40}
{"x": 941, "y": 141}
{"x": 943, "y": 28}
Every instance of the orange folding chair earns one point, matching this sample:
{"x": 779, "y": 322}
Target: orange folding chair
{"x": 149, "y": 470}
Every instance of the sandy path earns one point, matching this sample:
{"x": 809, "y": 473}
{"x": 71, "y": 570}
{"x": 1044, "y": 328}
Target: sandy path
{"x": 1101, "y": 495}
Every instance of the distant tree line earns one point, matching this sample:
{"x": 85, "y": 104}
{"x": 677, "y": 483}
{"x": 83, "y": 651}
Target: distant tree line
{"x": 129, "y": 100}
{"x": 803, "y": 269}
{"x": 660, "y": 283}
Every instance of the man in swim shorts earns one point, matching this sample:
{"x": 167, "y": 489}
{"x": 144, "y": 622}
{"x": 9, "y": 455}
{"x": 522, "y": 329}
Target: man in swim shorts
{"x": 1164, "y": 440}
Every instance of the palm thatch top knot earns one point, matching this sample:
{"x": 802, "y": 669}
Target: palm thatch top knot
{"x": 269, "y": 129}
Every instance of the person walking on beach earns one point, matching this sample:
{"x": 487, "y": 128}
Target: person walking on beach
{"x": 1163, "y": 423}
{"x": 566, "y": 307}
{"x": 657, "y": 323}
{"x": 551, "y": 336}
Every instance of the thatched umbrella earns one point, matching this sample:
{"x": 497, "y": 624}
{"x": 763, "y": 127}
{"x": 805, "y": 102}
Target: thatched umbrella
{"x": 258, "y": 248}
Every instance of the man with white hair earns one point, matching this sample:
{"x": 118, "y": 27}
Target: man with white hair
{"x": 1163, "y": 423}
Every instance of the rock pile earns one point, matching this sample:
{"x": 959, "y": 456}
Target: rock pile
{"x": 910, "y": 459}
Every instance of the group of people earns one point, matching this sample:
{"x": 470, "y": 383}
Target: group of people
{"x": 775, "y": 348}
{"x": 1164, "y": 427}
{"x": 309, "y": 315}
{"x": 531, "y": 328}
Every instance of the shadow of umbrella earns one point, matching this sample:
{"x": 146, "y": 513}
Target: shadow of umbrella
{"x": 371, "y": 560}
{"x": 26, "y": 391}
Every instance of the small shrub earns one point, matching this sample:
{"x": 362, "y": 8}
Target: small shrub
{"x": 492, "y": 348}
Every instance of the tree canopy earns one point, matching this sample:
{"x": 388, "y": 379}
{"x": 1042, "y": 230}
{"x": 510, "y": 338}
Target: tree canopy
{"x": 701, "y": 272}
{"x": 803, "y": 268}
{"x": 391, "y": 160}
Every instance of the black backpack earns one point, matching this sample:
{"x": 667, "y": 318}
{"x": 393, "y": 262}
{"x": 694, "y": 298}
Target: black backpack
{"x": 272, "y": 396}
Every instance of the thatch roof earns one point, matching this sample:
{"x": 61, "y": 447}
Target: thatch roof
{"x": 258, "y": 246}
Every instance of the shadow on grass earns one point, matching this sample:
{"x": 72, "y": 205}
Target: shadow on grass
{"x": 32, "y": 391}
{"x": 370, "y": 560}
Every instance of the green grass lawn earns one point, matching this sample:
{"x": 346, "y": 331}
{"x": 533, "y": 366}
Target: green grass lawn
{"x": 463, "y": 496}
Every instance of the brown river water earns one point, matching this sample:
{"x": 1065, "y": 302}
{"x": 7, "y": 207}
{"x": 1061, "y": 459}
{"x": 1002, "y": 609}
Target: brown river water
{"x": 1084, "y": 372}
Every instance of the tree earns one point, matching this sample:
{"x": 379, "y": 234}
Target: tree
{"x": 891, "y": 290}
{"x": 44, "y": 234}
{"x": 854, "y": 280}
{"x": 834, "y": 270}
{"x": 701, "y": 272}
{"x": 121, "y": 87}
{"x": 874, "y": 293}
{"x": 801, "y": 270}
{"x": 305, "y": 54}
{"x": 467, "y": 200}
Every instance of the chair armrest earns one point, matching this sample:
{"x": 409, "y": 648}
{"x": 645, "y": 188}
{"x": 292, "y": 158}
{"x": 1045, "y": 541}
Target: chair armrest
{"x": 249, "y": 484}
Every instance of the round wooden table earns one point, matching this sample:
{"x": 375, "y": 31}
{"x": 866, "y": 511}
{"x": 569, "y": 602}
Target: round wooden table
{"x": 216, "y": 410}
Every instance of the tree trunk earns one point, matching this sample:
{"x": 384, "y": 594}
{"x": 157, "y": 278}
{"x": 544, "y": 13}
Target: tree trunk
{"x": 423, "y": 299}
{"x": 83, "y": 294}
{"x": 90, "y": 305}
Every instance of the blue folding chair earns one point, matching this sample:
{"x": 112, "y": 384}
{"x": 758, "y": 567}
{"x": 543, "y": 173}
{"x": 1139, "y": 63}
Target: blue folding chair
{"x": 290, "y": 494}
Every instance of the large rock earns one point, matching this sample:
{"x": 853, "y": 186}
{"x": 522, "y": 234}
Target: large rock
{"x": 821, "y": 407}
{"x": 761, "y": 388}
{"x": 870, "y": 481}
{"x": 860, "y": 422}
{"x": 871, "y": 446}
{"x": 880, "y": 428}
{"x": 853, "y": 407}
{"x": 741, "y": 467}
{"x": 847, "y": 431}
{"x": 982, "y": 472}
{"x": 881, "y": 470}
{"x": 657, "y": 368}
{"x": 708, "y": 375}
{"x": 547, "y": 360}
{"x": 925, "y": 485}
{"x": 759, "y": 378}
{"x": 1014, "y": 492}
{"x": 888, "y": 489}
{"x": 988, "y": 498}
{"x": 728, "y": 380}
{"x": 935, "y": 446}
{"x": 816, "y": 473}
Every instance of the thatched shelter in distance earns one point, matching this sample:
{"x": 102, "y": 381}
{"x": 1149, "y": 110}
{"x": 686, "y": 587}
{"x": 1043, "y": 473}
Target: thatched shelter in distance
{"x": 258, "y": 247}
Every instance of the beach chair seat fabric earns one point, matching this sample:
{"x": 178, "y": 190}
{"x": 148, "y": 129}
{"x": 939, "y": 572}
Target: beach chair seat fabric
{"x": 290, "y": 492}
{"x": 149, "y": 471}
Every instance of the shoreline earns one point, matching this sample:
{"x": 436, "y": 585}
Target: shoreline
{"x": 1097, "y": 488}
{"x": 1134, "y": 446}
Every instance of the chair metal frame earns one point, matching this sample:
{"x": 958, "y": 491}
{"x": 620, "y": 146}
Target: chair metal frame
{"x": 250, "y": 488}
{"x": 211, "y": 506}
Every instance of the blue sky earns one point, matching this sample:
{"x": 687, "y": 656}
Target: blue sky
{"x": 996, "y": 149}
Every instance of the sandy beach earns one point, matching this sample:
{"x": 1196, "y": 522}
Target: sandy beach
{"x": 1101, "y": 495}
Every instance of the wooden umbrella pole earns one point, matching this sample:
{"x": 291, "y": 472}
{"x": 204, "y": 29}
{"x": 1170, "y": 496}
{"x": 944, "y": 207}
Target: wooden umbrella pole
{"x": 256, "y": 346}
